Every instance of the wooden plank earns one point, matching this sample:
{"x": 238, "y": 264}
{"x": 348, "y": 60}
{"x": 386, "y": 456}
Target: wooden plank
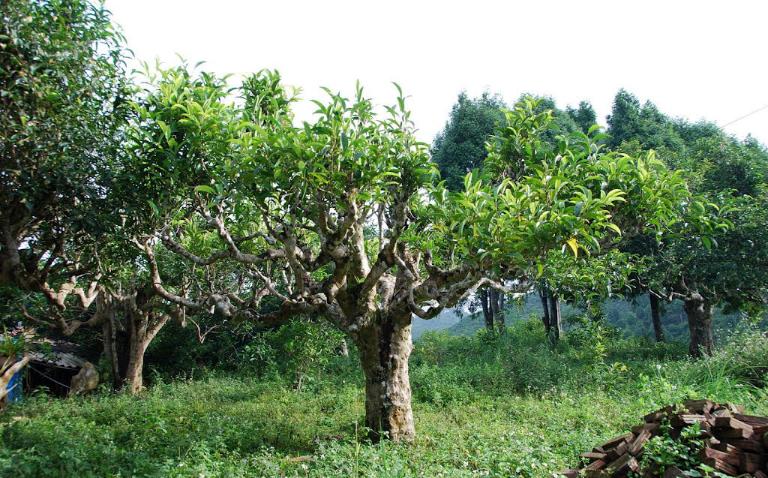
{"x": 685, "y": 419}
{"x": 615, "y": 441}
{"x": 759, "y": 424}
{"x": 657, "y": 416}
{"x": 735, "y": 443}
{"x": 651, "y": 427}
{"x": 623, "y": 465}
{"x": 637, "y": 446}
{"x": 730, "y": 458}
{"x": 616, "y": 452}
{"x": 591, "y": 455}
{"x": 732, "y": 422}
{"x": 596, "y": 465}
{"x": 737, "y": 433}
{"x": 725, "y": 447}
{"x": 753, "y": 446}
{"x": 674, "y": 472}
{"x": 720, "y": 465}
{"x": 568, "y": 473}
{"x": 596, "y": 474}
{"x": 751, "y": 462}
{"x": 699, "y": 406}
{"x": 752, "y": 419}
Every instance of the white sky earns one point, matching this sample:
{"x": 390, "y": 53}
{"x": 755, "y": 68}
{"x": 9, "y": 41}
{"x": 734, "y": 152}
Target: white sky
{"x": 694, "y": 59}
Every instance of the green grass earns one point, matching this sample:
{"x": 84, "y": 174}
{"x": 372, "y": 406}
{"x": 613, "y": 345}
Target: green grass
{"x": 484, "y": 406}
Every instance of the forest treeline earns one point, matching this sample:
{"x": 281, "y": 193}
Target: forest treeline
{"x": 173, "y": 219}
{"x": 629, "y": 318}
{"x": 730, "y": 173}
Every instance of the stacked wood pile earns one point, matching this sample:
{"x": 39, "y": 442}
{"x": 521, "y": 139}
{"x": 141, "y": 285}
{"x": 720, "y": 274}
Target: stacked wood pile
{"x": 733, "y": 443}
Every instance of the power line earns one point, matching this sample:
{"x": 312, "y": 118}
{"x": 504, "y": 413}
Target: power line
{"x": 745, "y": 116}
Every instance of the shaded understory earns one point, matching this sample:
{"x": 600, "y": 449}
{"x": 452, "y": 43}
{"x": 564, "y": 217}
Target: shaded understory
{"x": 484, "y": 407}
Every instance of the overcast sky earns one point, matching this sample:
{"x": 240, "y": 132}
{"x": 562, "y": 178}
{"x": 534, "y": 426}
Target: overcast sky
{"x": 694, "y": 59}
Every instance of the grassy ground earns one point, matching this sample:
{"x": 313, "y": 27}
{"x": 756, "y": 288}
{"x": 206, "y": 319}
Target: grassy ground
{"x": 483, "y": 407}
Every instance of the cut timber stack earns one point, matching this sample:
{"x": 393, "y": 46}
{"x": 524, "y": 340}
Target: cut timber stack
{"x": 733, "y": 443}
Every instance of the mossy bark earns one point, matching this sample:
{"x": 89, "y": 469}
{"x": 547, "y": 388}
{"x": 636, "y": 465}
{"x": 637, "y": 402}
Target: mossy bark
{"x": 385, "y": 347}
{"x": 699, "y": 312}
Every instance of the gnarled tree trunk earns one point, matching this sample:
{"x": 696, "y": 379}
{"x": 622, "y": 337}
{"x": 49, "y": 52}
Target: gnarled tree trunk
{"x": 699, "y": 312}
{"x": 128, "y": 330}
{"x": 658, "y": 330}
{"x": 133, "y": 381}
{"x": 545, "y": 307}
{"x": 113, "y": 346}
{"x": 552, "y": 317}
{"x": 555, "y": 319}
{"x": 385, "y": 346}
{"x": 492, "y": 302}
{"x": 497, "y": 306}
{"x": 485, "y": 302}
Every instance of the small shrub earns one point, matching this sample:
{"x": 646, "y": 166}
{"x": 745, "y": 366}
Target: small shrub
{"x": 299, "y": 351}
{"x": 663, "y": 451}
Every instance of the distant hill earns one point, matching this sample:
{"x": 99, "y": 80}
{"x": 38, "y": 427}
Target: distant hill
{"x": 514, "y": 312}
{"x": 447, "y": 319}
{"x": 468, "y": 325}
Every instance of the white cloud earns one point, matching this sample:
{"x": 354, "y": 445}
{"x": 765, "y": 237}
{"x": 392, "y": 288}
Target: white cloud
{"x": 696, "y": 59}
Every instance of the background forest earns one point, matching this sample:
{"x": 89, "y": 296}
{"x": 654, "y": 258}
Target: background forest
{"x": 255, "y": 296}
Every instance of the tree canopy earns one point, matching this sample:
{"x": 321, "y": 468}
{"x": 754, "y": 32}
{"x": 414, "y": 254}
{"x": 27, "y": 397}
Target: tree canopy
{"x": 289, "y": 211}
{"x": 184, "y": 197}
{"x": 718, "y": 261}
{"x": 460, "y": 147}
{"x": 64, "y": 101}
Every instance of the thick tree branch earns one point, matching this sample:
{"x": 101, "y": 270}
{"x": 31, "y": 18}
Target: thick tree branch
{"x": 66, "y": 327}
{"x": 157, "y": 282}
